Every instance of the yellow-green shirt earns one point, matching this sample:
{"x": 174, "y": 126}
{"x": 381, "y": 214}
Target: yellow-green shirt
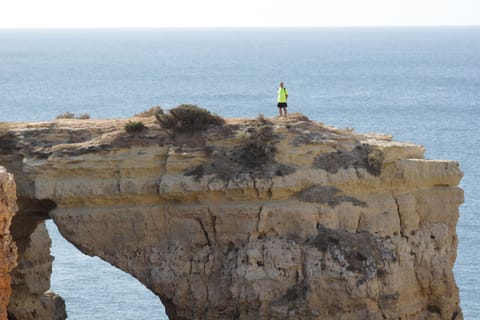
{"x": 282, "y": 95}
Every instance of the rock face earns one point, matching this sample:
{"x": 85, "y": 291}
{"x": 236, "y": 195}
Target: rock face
{"x": 280, "y": 219}
{"x": 25, "y": 279}
{"x": 8, "y": 250}
{"x": 31, "y": 280}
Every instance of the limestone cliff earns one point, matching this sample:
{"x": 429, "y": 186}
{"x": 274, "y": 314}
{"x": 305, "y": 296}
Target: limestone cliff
{"x": 8, "y": 250}
{"x": 271, "y": 219}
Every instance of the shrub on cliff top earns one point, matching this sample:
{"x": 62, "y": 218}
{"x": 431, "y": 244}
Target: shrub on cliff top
{"x": 84, "y": 116}
{"x": 134, "y": 126}
{"x": 66, "y": 115}
{"x": 259, "y": 148}
{"x": 187, "y": 118}
{"x": 149, "y": 112}
{"x": 71, "y": 115}
{"x": 298, "y": 116}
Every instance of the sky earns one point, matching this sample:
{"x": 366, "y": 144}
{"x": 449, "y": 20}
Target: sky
{"x": 244, "y": 13}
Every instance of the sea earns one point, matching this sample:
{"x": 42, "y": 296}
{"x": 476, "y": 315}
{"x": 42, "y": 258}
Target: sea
{"x": 421, "y": 85}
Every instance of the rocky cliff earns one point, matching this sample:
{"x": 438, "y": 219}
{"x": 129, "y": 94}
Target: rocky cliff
{"x": 254, "y": 219}
{"x": 8, "y": 250}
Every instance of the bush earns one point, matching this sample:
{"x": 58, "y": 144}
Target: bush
{"x": 150, "y": 112}
{"x": 66, "y": 115}
{"x": 298, "y": 116}
{"x": 71, "y": 115}
{"x": 375, "y": 160}
{"x": 188, "y": 118}
{"x": 259, "y": 148}
{"x": 134, "y": 126}
{"x": 84, "y": 116}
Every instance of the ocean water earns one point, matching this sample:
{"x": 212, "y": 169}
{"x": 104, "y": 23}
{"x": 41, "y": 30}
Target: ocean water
{"x": 420, "y": 84}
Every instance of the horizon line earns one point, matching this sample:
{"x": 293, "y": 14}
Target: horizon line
{"x": 242, "y": 27}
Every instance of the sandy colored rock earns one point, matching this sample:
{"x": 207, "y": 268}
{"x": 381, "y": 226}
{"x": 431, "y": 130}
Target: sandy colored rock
{"x": 280, "y": 219}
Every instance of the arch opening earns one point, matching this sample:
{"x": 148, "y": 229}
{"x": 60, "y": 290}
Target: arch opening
{"x": 31, "y": 213}
{"x": 94, "y": 289}
{"x": 31, "y": 297}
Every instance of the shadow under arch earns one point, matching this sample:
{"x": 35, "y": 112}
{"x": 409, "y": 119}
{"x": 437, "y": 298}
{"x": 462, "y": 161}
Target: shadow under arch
{"x": 94, "y": 289}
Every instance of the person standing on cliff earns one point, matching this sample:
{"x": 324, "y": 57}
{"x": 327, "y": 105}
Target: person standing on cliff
{"x": 282, "y": 100}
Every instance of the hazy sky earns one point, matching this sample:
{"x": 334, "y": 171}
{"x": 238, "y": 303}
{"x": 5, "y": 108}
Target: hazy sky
{"x": 225, "y": 13}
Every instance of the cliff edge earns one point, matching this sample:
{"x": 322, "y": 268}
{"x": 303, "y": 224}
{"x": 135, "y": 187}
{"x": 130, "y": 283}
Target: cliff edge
{"x": 252, "y": 219}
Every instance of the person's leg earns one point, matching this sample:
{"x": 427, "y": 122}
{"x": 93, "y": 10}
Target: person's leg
{"x": 285, "y": 112}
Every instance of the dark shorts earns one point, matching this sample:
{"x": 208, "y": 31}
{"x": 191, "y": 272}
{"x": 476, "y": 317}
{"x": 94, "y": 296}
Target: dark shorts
{"x": 282, "y": 104}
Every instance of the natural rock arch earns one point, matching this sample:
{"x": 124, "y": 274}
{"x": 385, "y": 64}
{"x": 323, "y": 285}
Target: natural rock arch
{"x": 217, "y": 238}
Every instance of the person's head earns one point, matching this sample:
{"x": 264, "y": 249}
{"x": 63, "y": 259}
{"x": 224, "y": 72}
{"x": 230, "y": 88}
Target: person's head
{"x": 281, "y": 84}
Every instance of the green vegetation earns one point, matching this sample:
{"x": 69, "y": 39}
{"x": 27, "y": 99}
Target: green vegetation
{"x": 187, "y": 118}
{"x": 134, "y": 126}
{"x": 153, "y": 111}
{"x": 259, "y": 148}
{"x": 71, "y": 115}
{"x": 375, "y": 161}
{"x": 66, "y": 115}
{"x": 84, "y": 116}
{"x": 254, "y": 156}
{"x": 298, "y": 116}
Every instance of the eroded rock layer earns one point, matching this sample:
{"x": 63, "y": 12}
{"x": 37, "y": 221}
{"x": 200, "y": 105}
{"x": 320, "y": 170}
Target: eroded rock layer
{"x": 256, "y": 219}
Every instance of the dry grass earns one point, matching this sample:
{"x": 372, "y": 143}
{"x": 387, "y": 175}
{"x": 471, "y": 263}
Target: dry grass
{"x": 4, "y": 128}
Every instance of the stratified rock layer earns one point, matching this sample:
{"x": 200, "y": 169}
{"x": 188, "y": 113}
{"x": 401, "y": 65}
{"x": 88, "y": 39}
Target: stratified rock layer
{"x": 281, "y": 219}
{"x": 8, "y": 250}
